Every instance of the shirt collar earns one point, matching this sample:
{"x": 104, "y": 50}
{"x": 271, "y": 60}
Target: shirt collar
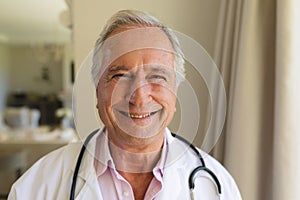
{"x": 103, "y": 158}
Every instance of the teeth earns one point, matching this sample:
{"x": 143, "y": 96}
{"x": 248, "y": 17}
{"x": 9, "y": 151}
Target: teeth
{"x": 138, "y": 116}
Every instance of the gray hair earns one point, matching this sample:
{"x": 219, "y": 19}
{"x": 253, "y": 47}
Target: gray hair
{"x": 134, "y": 17}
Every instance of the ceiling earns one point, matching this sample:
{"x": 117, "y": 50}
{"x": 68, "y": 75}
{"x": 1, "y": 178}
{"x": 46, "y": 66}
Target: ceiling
{"x": 34, "y": 21}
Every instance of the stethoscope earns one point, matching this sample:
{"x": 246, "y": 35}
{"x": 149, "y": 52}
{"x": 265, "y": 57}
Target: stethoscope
{"x": 192, "y": 175}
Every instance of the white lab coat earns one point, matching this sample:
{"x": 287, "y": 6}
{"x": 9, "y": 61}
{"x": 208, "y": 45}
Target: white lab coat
{"x": 51, "y": 177}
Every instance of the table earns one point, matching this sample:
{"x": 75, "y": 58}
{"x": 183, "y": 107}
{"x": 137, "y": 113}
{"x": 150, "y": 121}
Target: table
{"x": 25, "y": 149}
{"x": 36, "y": 145}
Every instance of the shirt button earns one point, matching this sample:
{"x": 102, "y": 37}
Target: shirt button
{"x": 126, "y": 194}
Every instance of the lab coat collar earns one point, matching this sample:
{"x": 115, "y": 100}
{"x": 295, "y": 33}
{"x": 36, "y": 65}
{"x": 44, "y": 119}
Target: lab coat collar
{"x": 174, "y": 162}
{"x": 102, "y": 154}
{"x": 177, "y": 152}
{"x": 87, "y": 167}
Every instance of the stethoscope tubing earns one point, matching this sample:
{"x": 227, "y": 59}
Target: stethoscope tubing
{"x": 199, "y": 168}
{"x": 78, "y": 163}
{"x": 192, "y": 176}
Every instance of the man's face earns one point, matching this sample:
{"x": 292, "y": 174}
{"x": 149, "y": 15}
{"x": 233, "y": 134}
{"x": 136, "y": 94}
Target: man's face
{"x": 137, "y": 94}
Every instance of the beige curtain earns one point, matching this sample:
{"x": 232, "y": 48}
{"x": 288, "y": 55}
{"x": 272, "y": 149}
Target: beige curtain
{"x": 287, "y": 102}
{"x": 257, "y": 55}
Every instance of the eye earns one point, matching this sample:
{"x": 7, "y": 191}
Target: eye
{"x": 123, "y": 76}
{"x": 117, "y": 76}
{"x": 157, "y": 77}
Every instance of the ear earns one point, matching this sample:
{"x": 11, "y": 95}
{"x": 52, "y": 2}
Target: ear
{"x": 97, "y": 106}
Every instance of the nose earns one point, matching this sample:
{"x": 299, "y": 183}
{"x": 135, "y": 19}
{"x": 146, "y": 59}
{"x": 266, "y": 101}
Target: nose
{"x": 140, "y": 94}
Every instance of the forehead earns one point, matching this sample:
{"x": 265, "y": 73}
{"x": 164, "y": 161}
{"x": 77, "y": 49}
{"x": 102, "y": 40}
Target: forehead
{"x": 136, "y": 36}
{"x": 145, "y": 41}
{"x": 144, "y": 57}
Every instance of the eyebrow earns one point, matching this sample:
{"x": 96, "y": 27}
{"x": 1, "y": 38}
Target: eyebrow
{"x": 115, "y": 68}
{"x": 153, "y": 68}
{"x": 161, "y": 69}
{"x": 158, "y": 68}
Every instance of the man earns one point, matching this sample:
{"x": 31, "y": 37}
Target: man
{"x": 137, "y": 67}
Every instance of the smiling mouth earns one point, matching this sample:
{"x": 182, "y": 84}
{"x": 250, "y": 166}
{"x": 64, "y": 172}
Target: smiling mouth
{"x": 137, "y": 116}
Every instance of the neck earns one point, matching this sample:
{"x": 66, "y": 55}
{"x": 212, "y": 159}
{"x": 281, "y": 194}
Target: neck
{"x": 133, "y": 144}
{"x": 134, "y": 162}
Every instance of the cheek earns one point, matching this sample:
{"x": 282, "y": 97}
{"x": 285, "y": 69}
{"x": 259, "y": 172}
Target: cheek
{"x": 102, "y": 98}
{"x": 109, "y": 96}
{"x": 103, "y": 106}
{"x": 167, "y": 98}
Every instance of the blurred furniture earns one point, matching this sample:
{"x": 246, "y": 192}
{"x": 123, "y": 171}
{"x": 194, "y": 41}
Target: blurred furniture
{"x": 12, "y": 165}
{"x": 46, "y": 104}
{"x": 34, "y": 149}
{"x": 21, "y": 117}
{"x": 17, "y": 154}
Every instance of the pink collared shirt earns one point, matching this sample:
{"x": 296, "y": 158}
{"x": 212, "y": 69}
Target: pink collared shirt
{"x": 112, "y": 184}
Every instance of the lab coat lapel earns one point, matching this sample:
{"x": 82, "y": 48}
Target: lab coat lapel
{"x": 180, "y": 163}
{"x": 175, "y": 184}
{"x": 87, "y": 186}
